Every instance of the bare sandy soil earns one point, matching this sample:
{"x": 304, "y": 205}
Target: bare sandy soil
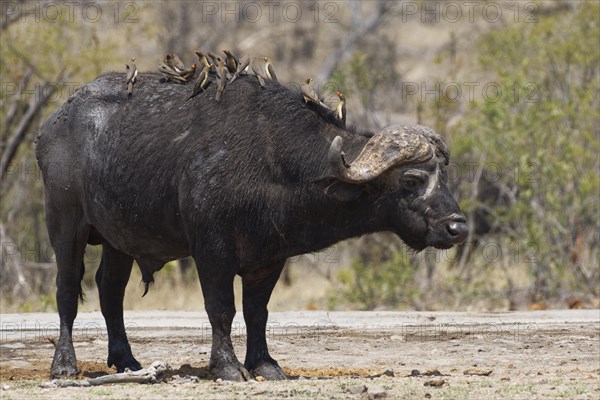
{"x": 528, "y": 355}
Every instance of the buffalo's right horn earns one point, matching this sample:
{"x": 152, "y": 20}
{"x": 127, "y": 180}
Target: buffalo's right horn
{"x": 392, "y": 146}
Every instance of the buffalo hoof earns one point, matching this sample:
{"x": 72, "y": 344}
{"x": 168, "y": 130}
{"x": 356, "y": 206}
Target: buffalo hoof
{"x": 61, "y": 369}
{"x": 64, "y": 364}
{"x": 231, "y": 372}
{"x": 121, "y": 363}
{"x": 271, "y": 371}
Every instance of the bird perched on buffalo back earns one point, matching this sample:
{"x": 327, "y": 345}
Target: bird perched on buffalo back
{"x": 242, "y": 66}
{"x": 269, "y": 70}
{"x": 308, "y": 92}
{"x": 214, "y": 58}
{"x": 202, "y": 58}
{"x": 169, "y": 74}
{"x": 170, "y": 62}
{"x": 221, "y": 80}
{"x": 188, "y": 74}
{"x": 230, "y": 61}
{"x": 168, "y": 69}
{"x": 201, "y": 82}
{"x": 177, "y": 63}
{"x": 259, "y": 75}
{"x": 340, "y": 109}
{"x": 130, "y": 76}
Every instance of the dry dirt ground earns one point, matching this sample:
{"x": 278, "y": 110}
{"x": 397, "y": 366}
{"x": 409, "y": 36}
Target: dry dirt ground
{"x": 360, "y": 355}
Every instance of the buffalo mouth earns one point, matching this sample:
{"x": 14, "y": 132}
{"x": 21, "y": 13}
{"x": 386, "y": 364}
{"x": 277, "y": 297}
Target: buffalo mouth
{"x": 449, "y": 232}
{"x": 440, "y": 233}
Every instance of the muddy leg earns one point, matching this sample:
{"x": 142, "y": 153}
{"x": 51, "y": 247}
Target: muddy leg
{"x": 256, "y": 297}
{"x": 111, "y": 278}
{"x": 68, "y": 235}
{"x": 217, "y": 289}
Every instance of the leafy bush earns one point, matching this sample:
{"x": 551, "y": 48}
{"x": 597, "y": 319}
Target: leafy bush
{"x": 371, "y": 285}
{"x": 542, "y": 132}
{"x": 525, "y": 162}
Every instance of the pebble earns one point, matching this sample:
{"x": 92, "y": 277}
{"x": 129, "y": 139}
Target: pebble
{"x": 433, "y": 372}
{"x": 435, "y": 383}
{"x": 376, "y": 392}
{"x": 357, "y": 389}
{"x": 476, "y": 371}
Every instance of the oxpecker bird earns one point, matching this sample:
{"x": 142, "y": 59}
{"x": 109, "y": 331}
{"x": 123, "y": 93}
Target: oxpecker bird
{"x": 242, "y": 66}
{"x": 340, "y": 109}
{"x": 258, "y": 73}
{"x": 170, "y": 63}
{"x": 169, "y": 73}
{"x": 177, "y": 63}
{"x": 201, "y": 82}
{"x": 130, "y": 76}
{"x": 215, "y": 58}
{"x": 230, "y": 61}
{"x": 221, "y": 80}
{"x": 202, "y": 57}
{"x": 188, "y": 74}
{"x": 308, "y": 92}
{"x": 269, "y": 70}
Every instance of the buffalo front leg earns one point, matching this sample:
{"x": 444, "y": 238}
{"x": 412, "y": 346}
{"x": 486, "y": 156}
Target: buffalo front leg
{"x": 217, "y": 288}
{"x": 256, "y": 297}
{"x": 68, "y": 236}
{"x": 111, "y": 278}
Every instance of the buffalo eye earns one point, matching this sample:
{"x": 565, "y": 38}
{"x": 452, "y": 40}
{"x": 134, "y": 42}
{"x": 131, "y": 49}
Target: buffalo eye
{"x": 412, "y": 181}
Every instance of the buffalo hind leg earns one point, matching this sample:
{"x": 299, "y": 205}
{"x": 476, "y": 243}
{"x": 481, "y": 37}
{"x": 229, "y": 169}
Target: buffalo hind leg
{"x": 68, "y": 235}
{"x": 217, "y": 288}
{"x": 111, "y": 278}
{"x": 255, "y": 299}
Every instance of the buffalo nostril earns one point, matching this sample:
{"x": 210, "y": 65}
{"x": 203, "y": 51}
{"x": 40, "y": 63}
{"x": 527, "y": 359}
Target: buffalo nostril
{"x": 458, "y": 230}
{"x": 459, "y": 218}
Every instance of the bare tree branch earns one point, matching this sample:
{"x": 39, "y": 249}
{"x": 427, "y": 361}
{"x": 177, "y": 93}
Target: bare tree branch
{"x": 355, "y": 12}
{"x": 14, "y": 107}
{"x": 36, "y": 104}
{"x": 7, "y": 19}
{"x": 471, "y": 217}
{"x": 351, "y": 42}
{"x": 155, "y": 373}
{"x": 12, "y": 276}
{"x": 31, "y": 65}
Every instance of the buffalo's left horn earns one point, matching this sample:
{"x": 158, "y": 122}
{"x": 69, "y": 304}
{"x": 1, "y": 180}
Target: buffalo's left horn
{"x": 390, "y": 147}
{"x": 336, "y": 157}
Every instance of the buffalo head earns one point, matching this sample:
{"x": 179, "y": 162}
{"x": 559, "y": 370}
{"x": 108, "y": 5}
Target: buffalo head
{"x": 406, "y": 168}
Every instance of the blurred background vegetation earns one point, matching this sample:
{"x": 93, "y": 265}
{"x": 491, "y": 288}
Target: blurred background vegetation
{"x": 513, "y": 87}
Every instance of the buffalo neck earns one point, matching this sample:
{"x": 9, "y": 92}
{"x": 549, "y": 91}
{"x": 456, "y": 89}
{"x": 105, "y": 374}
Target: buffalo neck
{"x": 309, "y": 218}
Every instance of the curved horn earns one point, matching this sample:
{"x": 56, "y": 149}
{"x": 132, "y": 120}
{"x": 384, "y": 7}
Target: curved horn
{"x": 336, "y": 157}
{"x": 393, "y": 146}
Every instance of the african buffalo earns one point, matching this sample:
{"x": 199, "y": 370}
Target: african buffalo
{"x": 241, "y": 186}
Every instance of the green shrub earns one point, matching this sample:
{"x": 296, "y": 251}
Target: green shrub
{"x": 372, "y": 284}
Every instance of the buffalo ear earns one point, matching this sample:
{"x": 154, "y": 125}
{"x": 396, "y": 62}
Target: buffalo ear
{"x": 342, "y": 191}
